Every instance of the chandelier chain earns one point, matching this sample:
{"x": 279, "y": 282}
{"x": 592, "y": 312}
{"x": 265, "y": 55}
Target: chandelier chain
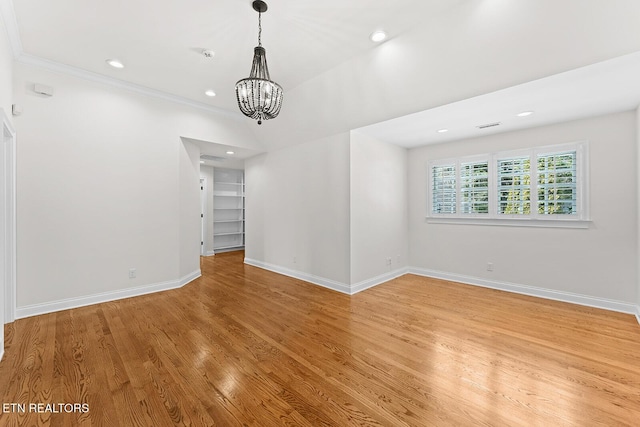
{"x": 259, "y": 28}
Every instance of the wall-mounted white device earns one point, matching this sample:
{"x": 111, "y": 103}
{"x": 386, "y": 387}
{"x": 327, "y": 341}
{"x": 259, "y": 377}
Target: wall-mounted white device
{"x": 43, "y": 89}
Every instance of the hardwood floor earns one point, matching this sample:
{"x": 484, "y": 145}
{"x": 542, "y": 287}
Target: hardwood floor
{"x": 245, "y": 347}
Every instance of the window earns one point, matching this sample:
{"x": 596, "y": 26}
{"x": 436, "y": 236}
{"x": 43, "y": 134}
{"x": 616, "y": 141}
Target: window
{"x": 474, "y": 187}
{"x": 541, "y": 186}
{"x": 444, "y": 189}
{"x": 514, "y": 186}
{"x": 557, "y": 193}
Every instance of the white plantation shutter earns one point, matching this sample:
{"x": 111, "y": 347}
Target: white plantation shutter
{"x": 443, "y": 191}
{"x": 474, "y": 187}
{"x": 542, "y": 186}
{"x": 557, "y": 191}
{"x": 514, "y": 186}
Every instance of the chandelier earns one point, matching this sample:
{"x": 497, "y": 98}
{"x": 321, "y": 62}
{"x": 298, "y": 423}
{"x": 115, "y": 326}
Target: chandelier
{"x": 259, "y": 97}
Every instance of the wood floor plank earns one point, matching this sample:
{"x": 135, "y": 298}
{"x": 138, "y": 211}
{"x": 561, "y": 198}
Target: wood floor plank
{"x": 242, "y": 346}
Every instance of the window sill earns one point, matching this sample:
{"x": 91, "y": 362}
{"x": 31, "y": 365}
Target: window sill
{"x": 512, "y": 222}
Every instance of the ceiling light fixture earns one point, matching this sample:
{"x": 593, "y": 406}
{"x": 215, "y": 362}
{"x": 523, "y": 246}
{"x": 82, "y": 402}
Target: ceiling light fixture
{"x": 378, "y": 36}
{"x": 210, "y": 92}
{"x": 258, "y": 96}
{"x": 231, "y": 152}
{"x": 443, "y": 130}
{"x": 115, "y": 63}
{"x": 525, "y": 114}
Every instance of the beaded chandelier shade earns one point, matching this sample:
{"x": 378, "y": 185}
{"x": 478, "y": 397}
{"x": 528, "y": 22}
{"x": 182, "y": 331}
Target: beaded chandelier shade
{"x": 259, "y": 97}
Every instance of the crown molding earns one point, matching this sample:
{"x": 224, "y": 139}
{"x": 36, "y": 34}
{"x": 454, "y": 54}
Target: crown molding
{"x": 58, "y": 67}
{"x": 8, "y": 16}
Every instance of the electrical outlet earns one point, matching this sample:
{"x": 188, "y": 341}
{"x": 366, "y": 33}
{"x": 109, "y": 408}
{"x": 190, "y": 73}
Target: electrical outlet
{"x": 295, "y": 259}
{"x": 389, "y": 261}
{"x": 489, "y": 266}
{"x": 132, "y": 273}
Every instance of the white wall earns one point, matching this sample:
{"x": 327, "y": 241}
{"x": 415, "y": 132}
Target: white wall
{"x": 105, "y": 184}
{"x": 600, "y": 262}
{"x": 297, "y": 208}
{"x": 189, "y": 194}
{"x": 6, "y": 71}
{"x": 379, "y": 221}
{"x": 329, "y": 211}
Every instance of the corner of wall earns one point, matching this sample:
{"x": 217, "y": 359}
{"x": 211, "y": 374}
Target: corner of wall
{"x": 297, "y": 209}
{"x": 377, "y": 211}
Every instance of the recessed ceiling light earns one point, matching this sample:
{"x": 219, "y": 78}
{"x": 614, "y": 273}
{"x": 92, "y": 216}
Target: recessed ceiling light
{"x": 231, "y": 152}
{"x": 525, "y": 113}
{"x": 115, "y": 63}
{"x": 201, "y": 162}
{"x": 210, "y": 92}
{"x": 378, "y": 36}
{"x": 443, "y": 130}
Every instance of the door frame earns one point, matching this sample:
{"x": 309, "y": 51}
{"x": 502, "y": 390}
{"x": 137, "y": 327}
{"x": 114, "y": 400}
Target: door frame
{"x": 9, "y": 194}
{"x": 203, "y": 216}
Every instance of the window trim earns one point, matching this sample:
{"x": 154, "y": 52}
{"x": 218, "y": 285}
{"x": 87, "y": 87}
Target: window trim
{"x": 580, "y": 220}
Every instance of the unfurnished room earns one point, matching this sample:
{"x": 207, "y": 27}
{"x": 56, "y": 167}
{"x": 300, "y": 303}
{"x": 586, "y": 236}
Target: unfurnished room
{"x": 301, "y": 213}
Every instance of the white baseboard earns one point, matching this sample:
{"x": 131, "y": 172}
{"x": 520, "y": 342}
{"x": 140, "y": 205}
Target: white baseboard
{"x": 328, "y": 283}
{"x": 586, "y": 300}
{"x": 316, "y": 280}
{"x": 65, "y": 304}
{"x": 375, "y": 281}
{"x": 550, "y": 294}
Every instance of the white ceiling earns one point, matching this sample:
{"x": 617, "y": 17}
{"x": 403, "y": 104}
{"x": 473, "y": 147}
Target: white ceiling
{"x": 161, "y": 41}
{"x": 454, "y": 63}
{"x": 605, "y": 87}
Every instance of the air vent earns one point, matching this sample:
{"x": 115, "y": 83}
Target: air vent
{"x": 488, "y": 125}
{"x": 212, "y": 158}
